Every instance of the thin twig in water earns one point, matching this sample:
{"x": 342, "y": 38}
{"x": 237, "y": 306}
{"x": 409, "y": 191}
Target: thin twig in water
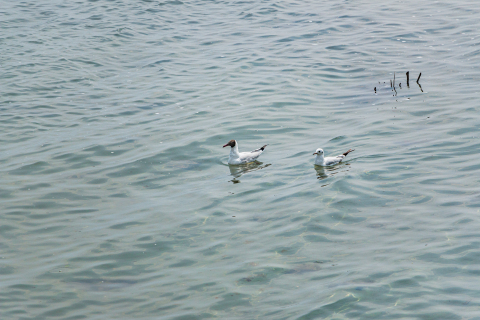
{"x": 418, "y": 79}
{"x": 420, "y": 87}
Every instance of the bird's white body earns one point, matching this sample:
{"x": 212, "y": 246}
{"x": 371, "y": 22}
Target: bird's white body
{"x": 237, "y": 157}
{"x": 321, "y": 160}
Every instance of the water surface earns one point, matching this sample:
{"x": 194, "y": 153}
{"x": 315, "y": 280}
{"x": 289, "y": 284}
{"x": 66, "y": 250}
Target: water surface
{"x": 117, "y": 201}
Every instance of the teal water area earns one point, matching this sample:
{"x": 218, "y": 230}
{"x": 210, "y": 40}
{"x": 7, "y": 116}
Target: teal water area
{"x": 117, "y": 201}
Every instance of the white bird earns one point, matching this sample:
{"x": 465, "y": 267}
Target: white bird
{"x": 242, "y": 157}
{"x": 328, "y": 161}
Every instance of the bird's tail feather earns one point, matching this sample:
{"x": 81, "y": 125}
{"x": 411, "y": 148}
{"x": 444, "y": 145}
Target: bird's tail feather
{"x": 260, "y": 149}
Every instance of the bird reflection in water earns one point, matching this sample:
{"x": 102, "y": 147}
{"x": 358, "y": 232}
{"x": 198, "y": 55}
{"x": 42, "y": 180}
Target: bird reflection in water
{"x": 325, "y": 172}
{"x": 238, "y": 170}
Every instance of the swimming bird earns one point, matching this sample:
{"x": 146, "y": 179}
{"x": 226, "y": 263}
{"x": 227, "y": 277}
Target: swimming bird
{"x": 328, "y": 161}
{"x": 242, "y": 157}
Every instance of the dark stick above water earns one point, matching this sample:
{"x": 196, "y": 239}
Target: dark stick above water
{"x": 418, "y": 79}
{"x": 394, "y": 88}
{"x": 420, "y": 87}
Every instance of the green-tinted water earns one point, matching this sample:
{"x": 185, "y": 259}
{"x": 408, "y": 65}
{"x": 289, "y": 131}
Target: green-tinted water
{"x": 117, "y": 202}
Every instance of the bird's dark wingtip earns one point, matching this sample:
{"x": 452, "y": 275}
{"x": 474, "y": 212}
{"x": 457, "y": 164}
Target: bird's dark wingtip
{"x": 350, "y": 150}
{"x": 263, "y": 148}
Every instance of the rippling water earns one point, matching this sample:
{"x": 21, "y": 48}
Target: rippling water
{"x": 117, "y": 202}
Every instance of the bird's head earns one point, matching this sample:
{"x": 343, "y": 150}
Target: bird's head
{"x": 231, "y": 143}
{"x": 318, "y": 152}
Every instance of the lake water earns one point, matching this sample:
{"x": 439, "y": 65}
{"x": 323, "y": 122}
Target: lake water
{"x": 117, "y": 201}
